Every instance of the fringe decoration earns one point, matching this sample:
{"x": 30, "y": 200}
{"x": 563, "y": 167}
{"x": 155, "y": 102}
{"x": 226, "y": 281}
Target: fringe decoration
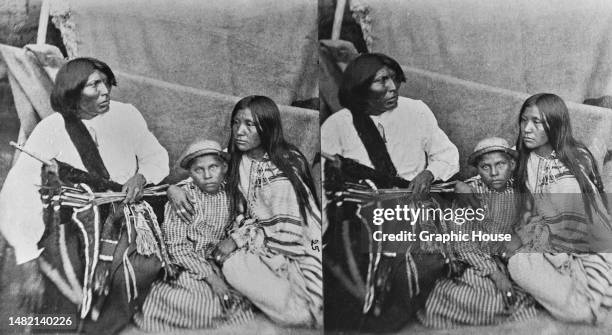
{"x": 90, "y": 265}
{"x": 374, "y": 260}
{"x": 129, "y": 221}
{"x": 143, "y": 228}
{"x": 130, "y": 277}
{"x": 170, "y": 269}
{"x": 146, "y": 243}
{"x": 412, "y": 276}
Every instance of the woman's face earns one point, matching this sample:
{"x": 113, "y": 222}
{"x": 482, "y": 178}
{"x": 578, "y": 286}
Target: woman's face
{"x": 533, "y": 133}
{"x": 383, "y": 93}
{"x": 246, "y": 137}
{"x": 95, "y": 97}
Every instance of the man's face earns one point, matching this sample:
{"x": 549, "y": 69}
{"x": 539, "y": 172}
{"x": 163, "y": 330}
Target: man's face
{"x": 95, "y": 97}
{"x": 495, "y": 169}
{"x": 208, "y": 172}
{"x": 383, "y": 93}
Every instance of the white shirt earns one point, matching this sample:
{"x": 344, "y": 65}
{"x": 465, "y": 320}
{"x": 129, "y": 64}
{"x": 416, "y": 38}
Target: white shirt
{"x": 413, "y": 139}
{"x": 126, "y": 146}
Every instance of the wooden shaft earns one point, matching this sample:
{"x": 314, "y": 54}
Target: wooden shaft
{"x": 43, "y": 22}
{"x": 31, "y": 154}
{"x": 338, "y": 15}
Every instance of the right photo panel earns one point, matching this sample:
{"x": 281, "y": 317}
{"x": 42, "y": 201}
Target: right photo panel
{"x": 465, "y": 158}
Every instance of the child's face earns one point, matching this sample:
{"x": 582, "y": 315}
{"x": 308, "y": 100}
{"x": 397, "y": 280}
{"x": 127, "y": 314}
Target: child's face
{"x": 495, "y": 168}
{"x": 208, "y": 172}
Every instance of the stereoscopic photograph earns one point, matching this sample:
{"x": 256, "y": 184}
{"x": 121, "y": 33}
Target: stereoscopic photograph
{"x": 157, "y": 167}
{"x": 305, "y": 167}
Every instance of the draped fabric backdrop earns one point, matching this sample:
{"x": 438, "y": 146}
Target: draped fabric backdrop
{"x": 558, "y": 46}
{"x": 237, "y": 47}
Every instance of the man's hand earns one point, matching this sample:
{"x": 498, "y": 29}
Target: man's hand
{"x": 421, "y": 183}
{"x": 223, "y": 249}
{"x": 134, "y": 188}
{"x": 181, "y": 203}
{"x": 32, "y": 287}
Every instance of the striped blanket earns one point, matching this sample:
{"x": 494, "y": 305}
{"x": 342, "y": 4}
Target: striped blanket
{"x": 562, "y": 244}
{"x": 289, "y": 247}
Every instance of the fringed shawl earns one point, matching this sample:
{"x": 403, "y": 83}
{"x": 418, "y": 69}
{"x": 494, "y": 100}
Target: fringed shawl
{"x": 280, "y": 232}
{"x": 559, "y": 220}
{"x": 560, "y": 227}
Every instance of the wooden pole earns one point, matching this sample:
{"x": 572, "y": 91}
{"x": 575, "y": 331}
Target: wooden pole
{"x": 339, "y": 14}
{"x": 43, "y": 22}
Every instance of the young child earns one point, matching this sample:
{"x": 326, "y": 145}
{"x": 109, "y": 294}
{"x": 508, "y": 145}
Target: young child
{"x": 199, "y": 296}
{"x": 484, "y": 293}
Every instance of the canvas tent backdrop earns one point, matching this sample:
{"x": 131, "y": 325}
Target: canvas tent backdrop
{"x": 559, "y": 46}
{"x": 239, "y": 47}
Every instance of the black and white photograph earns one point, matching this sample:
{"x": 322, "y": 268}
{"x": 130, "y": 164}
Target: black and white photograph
{"x": 305, "y": 167}
{"x": 157, "y": 167}
{"x": 466, "y": 164}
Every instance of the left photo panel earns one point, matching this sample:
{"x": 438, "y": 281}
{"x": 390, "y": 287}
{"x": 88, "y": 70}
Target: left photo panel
{"x": 158, "y": 167}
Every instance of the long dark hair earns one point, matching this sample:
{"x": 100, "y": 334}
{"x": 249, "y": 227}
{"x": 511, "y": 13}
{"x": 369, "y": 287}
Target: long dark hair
{"x": 358, "y": 76}
{"x": 70, "y": 81}
{"x": 287, "y": 158}
{"x": 572, "y": 153}
{"x": 354, "y": 93}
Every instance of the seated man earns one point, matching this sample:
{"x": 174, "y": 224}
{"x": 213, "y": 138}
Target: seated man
{"x": 199, "y": 296}
{"x": 483, "y": 294}
{"x": 396, "y": 142}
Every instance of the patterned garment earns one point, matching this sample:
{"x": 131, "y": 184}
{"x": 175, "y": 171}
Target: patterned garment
{"x": 473, "y": 298}
{"x": 288, "y": 246}
{"x": 189, "y": 301}
{"x": 559, "y": 218}
{"x": 561, "y": 243}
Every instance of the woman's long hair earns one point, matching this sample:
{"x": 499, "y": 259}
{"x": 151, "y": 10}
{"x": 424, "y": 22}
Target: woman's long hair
{"x": 287, "y": 158}
{"x": 572, "y": 153}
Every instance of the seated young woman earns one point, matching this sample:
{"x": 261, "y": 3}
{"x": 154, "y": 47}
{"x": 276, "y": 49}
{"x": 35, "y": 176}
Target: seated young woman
{"x": 199, "y": 296}
{"x": 565, "y": 260}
